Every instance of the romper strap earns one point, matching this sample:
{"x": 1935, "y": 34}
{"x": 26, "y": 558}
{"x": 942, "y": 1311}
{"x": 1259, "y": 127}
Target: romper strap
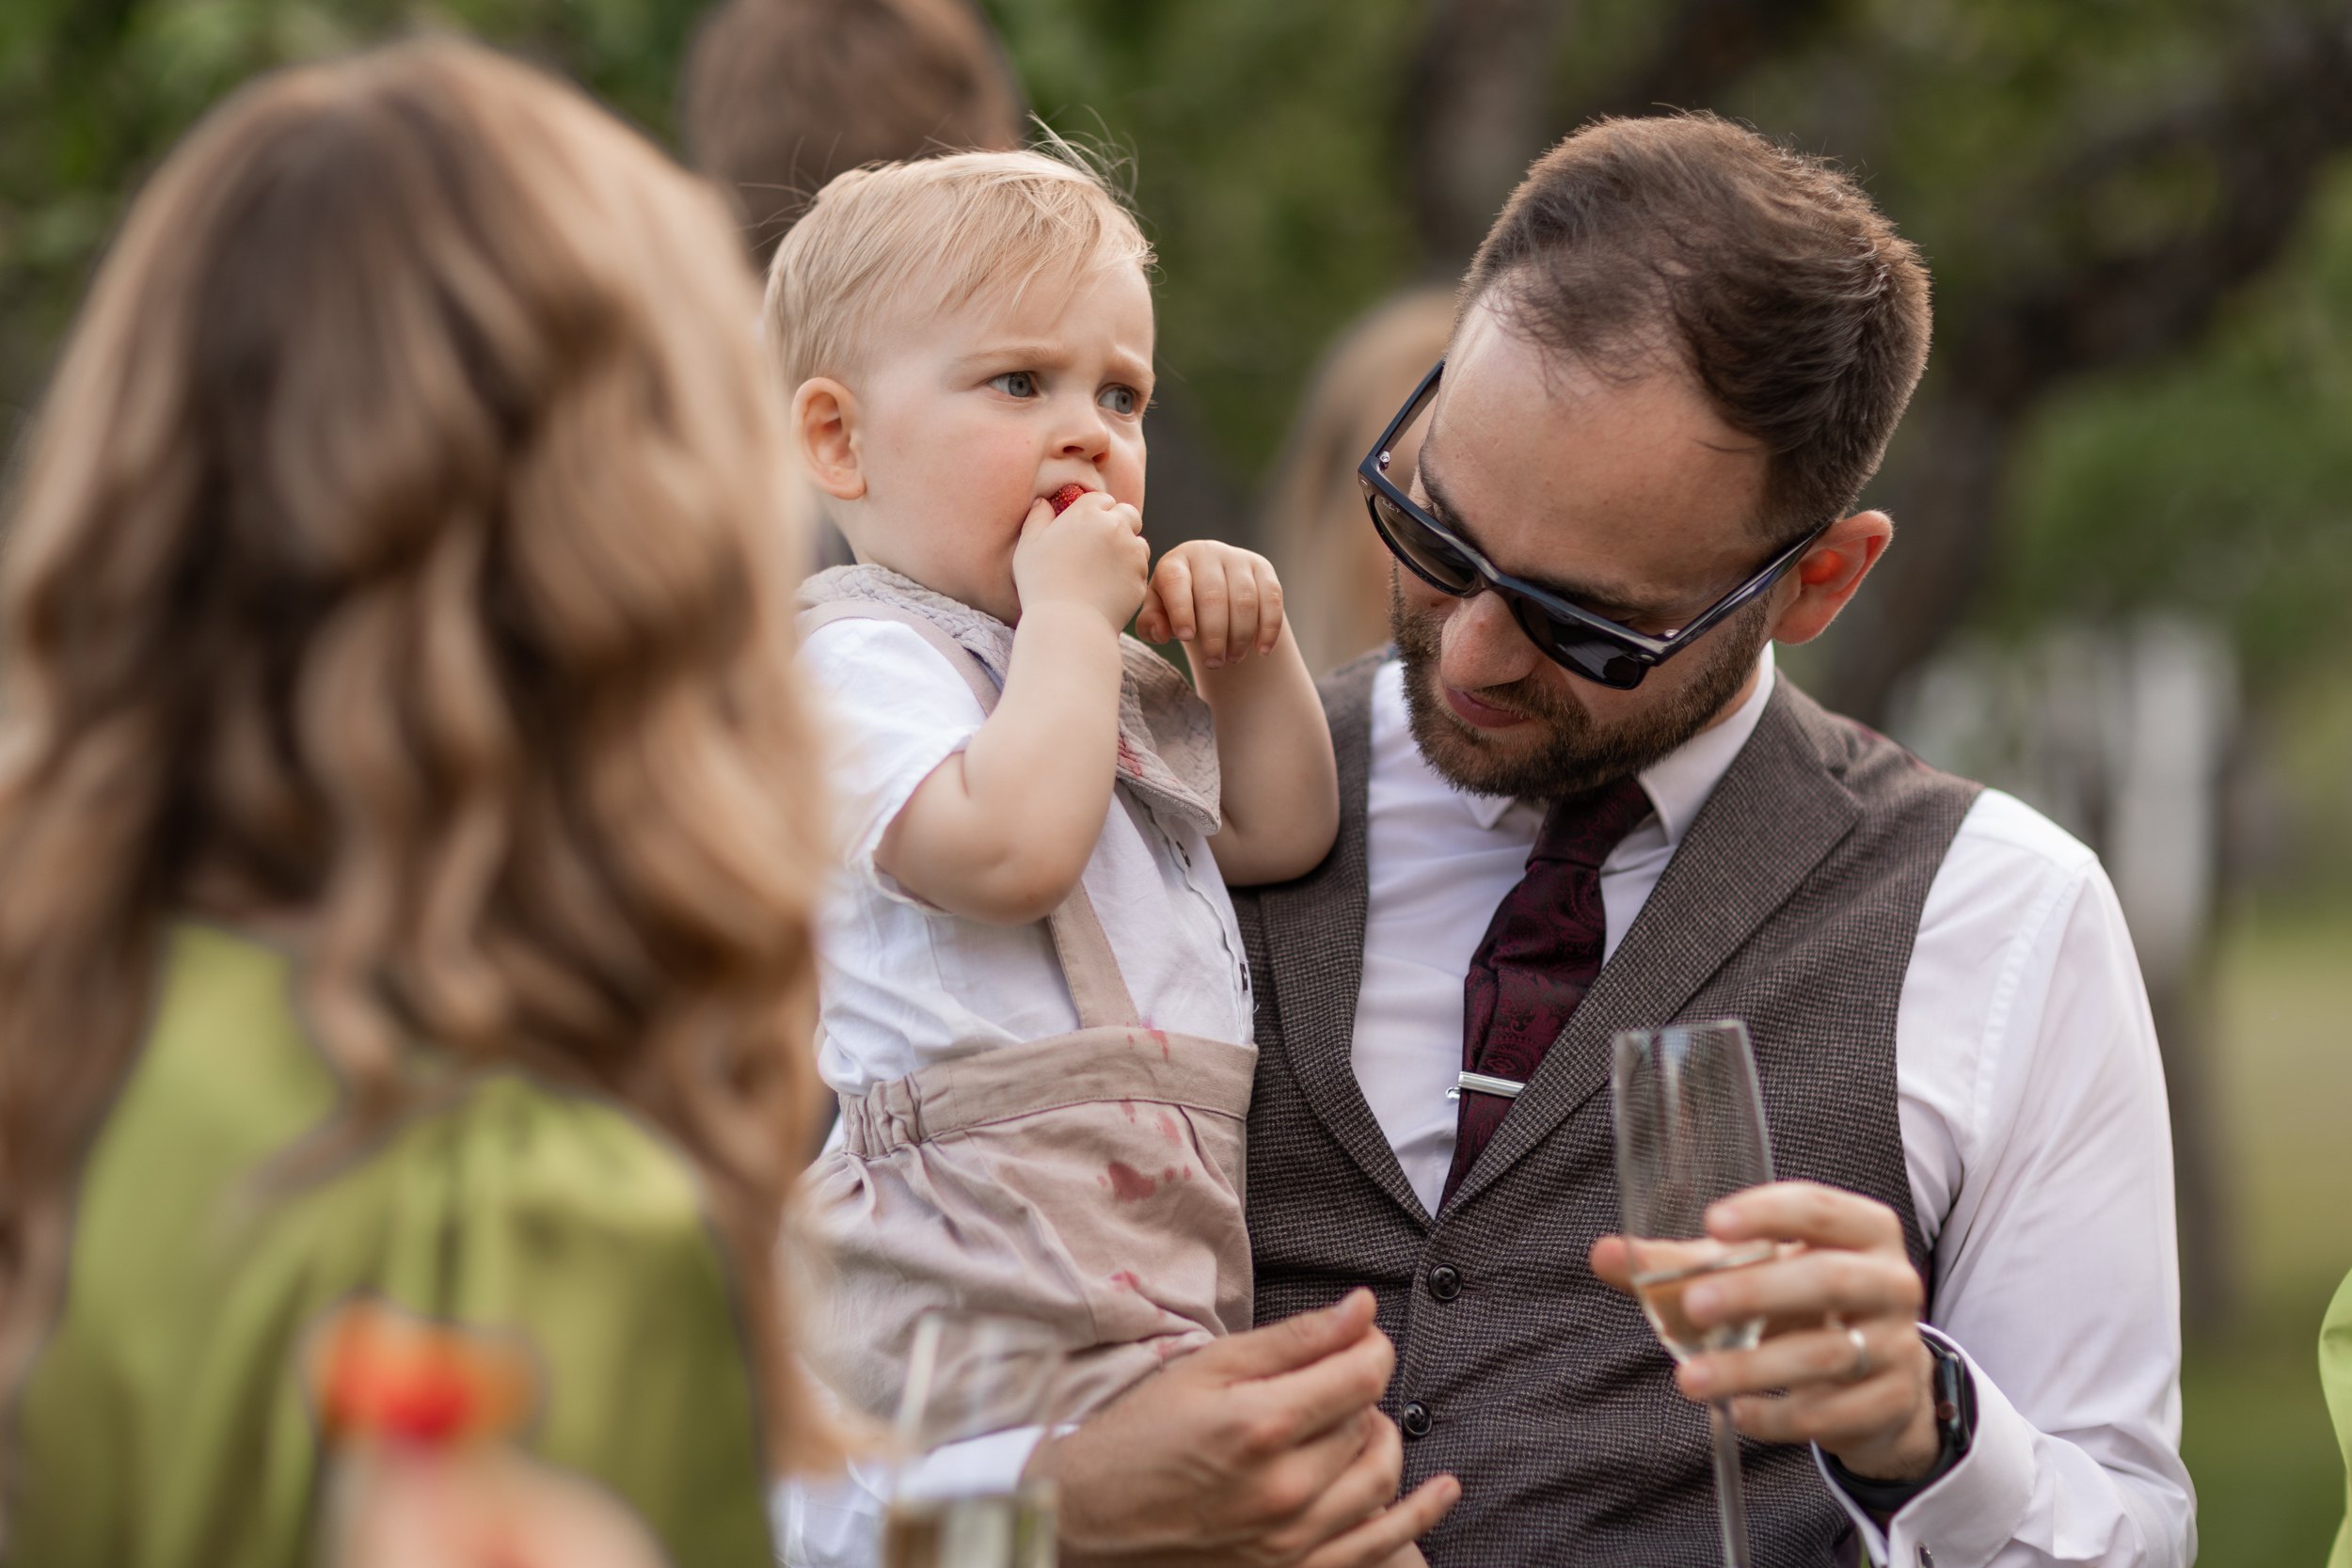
{"x": 1089, "y": 966}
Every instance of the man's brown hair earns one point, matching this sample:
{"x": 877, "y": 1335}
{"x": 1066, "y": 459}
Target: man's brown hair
{"x": 779, "y": 96}
{"x": 1768, "y": 274}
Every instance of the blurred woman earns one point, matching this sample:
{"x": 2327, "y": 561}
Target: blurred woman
{"x": 408, "y": 829}
{"x": 1334, "y": 569}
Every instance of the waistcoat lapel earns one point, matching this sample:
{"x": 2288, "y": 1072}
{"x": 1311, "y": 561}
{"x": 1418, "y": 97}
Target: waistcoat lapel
{"x": 1312, "y": 965}
{"x": 1777, "y": 810}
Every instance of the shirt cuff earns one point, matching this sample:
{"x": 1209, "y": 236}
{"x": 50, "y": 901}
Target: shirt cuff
{"x": 835, "y": 1521}
{"x": 1968, "y": 1518}
{"x": 976, "y": 1466}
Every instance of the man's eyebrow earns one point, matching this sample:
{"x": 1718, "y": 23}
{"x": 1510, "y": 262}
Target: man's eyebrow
{"x": 1585, "y": 596}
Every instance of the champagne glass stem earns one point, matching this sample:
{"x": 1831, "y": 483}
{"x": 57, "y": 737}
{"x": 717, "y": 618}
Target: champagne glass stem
{"x": 1731, "y": 1506}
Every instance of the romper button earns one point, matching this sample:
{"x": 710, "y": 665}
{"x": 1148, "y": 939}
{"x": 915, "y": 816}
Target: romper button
{"x": 1445, "y": 1282}
{"x": 1416, "y": 1421}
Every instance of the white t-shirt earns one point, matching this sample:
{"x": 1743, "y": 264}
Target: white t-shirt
{"x": 905, "y": 985}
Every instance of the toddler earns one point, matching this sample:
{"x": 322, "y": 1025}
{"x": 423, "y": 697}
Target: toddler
{"x": 1036, "y": 1010}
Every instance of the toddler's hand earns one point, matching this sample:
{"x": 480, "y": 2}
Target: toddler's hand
{"x": 1220, "y": 601}
{"x": 1092, "y": 554}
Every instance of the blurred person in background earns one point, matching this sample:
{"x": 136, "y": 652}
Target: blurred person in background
{"x": 779, "y": 96}
{"x": 1334, "y": 569}
{"x": 408, "y": 830}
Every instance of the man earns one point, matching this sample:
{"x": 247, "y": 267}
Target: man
{"x": 1580, "y": 799}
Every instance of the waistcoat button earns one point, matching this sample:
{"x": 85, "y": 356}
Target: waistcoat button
{"x": 1416, "y": 1421}
{"x": 1445, "y": 1282}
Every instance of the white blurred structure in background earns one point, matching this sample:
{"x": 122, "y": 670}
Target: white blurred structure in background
{"x": 2123, "y": 737}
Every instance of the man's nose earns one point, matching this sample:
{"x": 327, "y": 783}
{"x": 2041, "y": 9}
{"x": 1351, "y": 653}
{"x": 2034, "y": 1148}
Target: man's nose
{"x": 1483, "y": 647}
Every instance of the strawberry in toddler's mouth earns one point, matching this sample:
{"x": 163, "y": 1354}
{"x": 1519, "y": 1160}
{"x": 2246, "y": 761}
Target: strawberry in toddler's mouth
{"x": 1061, "y": 499}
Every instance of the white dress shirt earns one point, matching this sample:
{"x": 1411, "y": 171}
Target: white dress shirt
{"x": 2033, "y": 1120}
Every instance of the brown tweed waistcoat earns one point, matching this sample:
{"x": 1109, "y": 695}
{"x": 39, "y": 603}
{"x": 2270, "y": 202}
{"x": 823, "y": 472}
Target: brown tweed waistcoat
{"x": 1792, "y": 902}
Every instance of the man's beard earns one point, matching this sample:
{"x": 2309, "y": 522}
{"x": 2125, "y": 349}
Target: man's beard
{"x": 1576, "y": 752}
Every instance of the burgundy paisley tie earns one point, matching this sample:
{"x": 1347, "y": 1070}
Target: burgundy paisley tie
{"x": 1542, "y": 950}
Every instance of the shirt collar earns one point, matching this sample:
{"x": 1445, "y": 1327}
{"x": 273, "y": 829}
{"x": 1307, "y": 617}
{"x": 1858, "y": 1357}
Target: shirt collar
{"x": 1678, "y": 783}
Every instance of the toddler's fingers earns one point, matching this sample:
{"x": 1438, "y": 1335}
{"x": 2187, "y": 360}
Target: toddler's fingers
{"x": 1041, "y": 513}
{"x": 1152, "y": 620}
{"x": 1269, "y": 605}
{"x": 1211, "y": 609}
{"x": 1242, "y": 611}
{"x": 1171, "y": 586}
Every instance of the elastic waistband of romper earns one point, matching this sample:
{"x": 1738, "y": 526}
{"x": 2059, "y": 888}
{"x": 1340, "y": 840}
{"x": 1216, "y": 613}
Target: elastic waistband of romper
{"x": 1083, "y": 1067}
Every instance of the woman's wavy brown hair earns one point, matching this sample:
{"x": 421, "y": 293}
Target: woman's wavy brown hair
{"x": 400, "y": 550}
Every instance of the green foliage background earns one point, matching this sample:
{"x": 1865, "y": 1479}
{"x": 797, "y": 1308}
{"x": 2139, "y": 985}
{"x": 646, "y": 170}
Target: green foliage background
{"x": 1269, "y": 158}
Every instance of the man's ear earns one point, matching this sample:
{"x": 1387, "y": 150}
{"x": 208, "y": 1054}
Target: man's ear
{"x": 824, "y": 427}
{"x": 1827, "y": 574}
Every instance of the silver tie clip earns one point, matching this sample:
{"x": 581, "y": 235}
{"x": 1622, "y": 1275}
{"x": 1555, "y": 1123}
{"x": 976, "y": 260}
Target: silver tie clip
{"x": 1480, "y": 1082}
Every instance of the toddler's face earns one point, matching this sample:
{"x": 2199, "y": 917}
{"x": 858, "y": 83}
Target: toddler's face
{"x": 966, "y": 421}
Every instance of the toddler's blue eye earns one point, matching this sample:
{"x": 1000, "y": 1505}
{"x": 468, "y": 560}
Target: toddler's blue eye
{"x": 1121, "y": 399}
{"x": 1016, "y": 384}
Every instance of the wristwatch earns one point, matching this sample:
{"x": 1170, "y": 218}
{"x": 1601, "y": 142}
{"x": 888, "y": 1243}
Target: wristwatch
{"x": 1955, "y": 1429}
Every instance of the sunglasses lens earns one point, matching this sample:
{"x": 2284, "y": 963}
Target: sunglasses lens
{"x": 1573, "y": 645}
{"x": 1425, "y": 551}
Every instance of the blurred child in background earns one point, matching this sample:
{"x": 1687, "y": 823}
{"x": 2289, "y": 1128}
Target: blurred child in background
{"x": 1036, "y": 1010}
{"x": 408, "y": 828}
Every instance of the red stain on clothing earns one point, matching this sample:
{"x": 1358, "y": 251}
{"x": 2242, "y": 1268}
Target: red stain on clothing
{"x": 1127, "y": 1281}
{"x": 1169, "y": 1129}
{"x": 1129, "y": 1107}
{"x": 1128, "y": 1184}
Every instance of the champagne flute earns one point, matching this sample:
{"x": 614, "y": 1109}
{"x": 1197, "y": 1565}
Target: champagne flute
{"x": 969, "y": 1375}
{"x": 1690, "y": 1122}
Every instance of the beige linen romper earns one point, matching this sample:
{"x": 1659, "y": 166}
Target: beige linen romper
{"x": 1090, "y": 1181}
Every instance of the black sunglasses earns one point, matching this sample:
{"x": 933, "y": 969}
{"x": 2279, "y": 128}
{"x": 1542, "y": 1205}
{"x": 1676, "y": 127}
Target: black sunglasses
{"x": 1579, "y": 641}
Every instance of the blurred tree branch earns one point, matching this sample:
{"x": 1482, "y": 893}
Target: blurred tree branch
{"x": 1481, "y": 103}
{"x": 1709, "y": 47}
{"x": 1478, "y": 109}
{"x": 2112, "y": 293}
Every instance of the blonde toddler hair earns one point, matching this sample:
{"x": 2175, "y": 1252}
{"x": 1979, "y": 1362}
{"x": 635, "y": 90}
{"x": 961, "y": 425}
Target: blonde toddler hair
{"x": 945, "y": 231}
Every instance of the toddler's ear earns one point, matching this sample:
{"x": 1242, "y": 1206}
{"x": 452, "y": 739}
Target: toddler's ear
{"x": 824, "y": 427}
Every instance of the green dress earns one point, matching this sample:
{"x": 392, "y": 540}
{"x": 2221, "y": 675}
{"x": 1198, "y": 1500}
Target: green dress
{"x": 2335, "y": 1381}
{"x": 164, "y": 1423}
